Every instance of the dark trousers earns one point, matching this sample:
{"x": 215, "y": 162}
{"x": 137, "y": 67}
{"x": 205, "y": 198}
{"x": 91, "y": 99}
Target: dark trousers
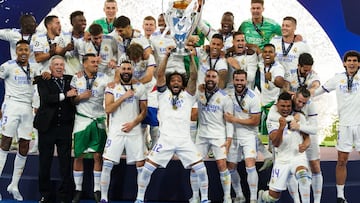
{"x": 61, "y": 137}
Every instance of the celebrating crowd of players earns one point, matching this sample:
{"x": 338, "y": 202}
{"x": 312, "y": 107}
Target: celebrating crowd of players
{"x": 109, "y": 88}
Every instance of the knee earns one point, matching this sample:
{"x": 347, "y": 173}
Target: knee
{"x": 341, "y": 163}
{"x": 303, "y": 176}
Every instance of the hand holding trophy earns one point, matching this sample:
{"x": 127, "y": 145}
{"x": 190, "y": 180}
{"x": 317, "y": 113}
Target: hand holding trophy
{"x": 182, "y": 17}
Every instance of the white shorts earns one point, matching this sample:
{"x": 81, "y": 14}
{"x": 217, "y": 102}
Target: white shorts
{"x": 242, "y": 148}
{"x": 17, "y": 119}
{"x": 313, "y": 152}
{"x": 348, "y": 137}
{"x": 204, "y": 144}
{"x": 281, "y": 172}
{"x": 167, "y": 146}
{"x": 133, "y": 144}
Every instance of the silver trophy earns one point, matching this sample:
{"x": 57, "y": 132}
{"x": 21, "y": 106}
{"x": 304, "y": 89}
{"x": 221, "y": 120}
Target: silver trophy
{"x": 181, "y": 18}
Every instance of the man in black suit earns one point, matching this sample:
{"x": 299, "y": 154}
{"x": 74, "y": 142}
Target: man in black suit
{"x": 54, "y": 121}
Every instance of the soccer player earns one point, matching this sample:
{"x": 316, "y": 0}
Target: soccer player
{"x": 213, "y": 132}
{"x": 241, "y": 58}
{"x": 107, "y": 23}
{"x": 104, "y": 47}
{"x": 16, "y": 111}
{"x": 27, "y": 32}
{"x": 212, "y": 60}
{"x": 290, "y": 146}
{"x": 89, "y": 128}
{"x": 258, "y": 29}
{"x": 74, "y": 37}
{"x": 346, "y": 86}
{"x": 125, "y": 35}
{"x": 288, "y": 49}
{"x": 175, "y": 103}
{"x": 246, "y": 119}
{"x": 126, "y": 103}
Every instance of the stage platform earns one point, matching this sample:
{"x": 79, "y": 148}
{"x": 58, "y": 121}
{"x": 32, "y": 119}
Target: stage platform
{"x": 172, "y": 184}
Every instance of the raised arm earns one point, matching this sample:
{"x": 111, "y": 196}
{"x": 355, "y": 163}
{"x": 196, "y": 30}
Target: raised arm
{"x": 191, "y": 86}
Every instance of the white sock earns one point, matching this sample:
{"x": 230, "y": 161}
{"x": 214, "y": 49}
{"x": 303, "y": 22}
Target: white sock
{"x": 19, "y": 165}
{"x": 340, "y": 191}
{"x": 304, "y": 179}
{"x": 194, "y": 182}
{"x": 226, "y": 183}
{"x": 97, "y": 176}
{"x": 235, "y": 182}
{"x": 252, "y": 179}
{"x": 293, "y": 188}
{"x": 317, "y": 184}
{"x": 78, "y": 179}
{"x": 105, "y": 178}
{"x": 201, "y": 172}
{"x": 144, "y": 179}
{"x": 267, "y": 198}
{"x": 3, "y": 157}
{"x": 139, "y": 170}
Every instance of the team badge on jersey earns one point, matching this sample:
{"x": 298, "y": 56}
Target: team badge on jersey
{"x": 218, "y": 101}
{"x": 106, "y": 48}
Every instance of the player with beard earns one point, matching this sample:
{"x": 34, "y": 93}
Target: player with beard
{"x": 239, "y": 57}
{"x": 126, "y": 104}
{"x": 246, "y": 119}
{"x": 290, "y": 146}
{"x": 89, "y": 128}
{"x": 16, "y": 111}
{"x": 175, "y": 103}
{"x": 213, "y": 131}
{"x": 301, "y": 103}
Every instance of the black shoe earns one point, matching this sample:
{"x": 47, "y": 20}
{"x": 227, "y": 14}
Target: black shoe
{"x": 77, "y": 196}
{"x": 44, "y": 200}
{"x": 341, "y": 200}
{"x": 97, "y": 196}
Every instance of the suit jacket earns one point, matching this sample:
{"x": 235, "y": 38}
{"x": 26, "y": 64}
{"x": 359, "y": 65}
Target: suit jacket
{"x": 52, "y": 111}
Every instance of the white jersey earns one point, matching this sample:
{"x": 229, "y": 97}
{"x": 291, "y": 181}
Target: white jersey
{"x": 107, "y": 52}
{"x": 159, "y": 44}
{"x": 13, "y": 36}
{"x": 291, "y": 60}
{"x": 18, "y": 81}
{"x": 295, "y": 80}
{"x": 209, "y": 32}
{"x": 72, "y": 58}
{"x": 248, "y": 63}
{"x": 94, "y": 106}
{"x": 347, "y": 101}
{"x": 289, "y": 147}
{"x": 269, "y": 92}
{"x": 244, "y": 106}
{"x": 219, "y": 64}
{"x": 136, "y": 37}
{"x": 42, "y": 45}
{"x": 174, "y": 121}
{"x": 211, "y": 115}
{"x": 128, "y": 110}
{"x": 310, "y": 113}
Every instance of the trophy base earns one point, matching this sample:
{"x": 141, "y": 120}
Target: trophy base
{"x": 180, "y": 52}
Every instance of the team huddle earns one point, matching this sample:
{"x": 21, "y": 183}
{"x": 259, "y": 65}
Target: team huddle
{"x": 109, "y": 88}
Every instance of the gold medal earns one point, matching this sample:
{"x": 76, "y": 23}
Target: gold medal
{"x": 174, "y": 107}
{"x": 267, "y": 85}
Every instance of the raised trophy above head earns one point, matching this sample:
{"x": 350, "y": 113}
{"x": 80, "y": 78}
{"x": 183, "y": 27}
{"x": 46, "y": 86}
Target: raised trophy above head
{"x": 182, "y": 17}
